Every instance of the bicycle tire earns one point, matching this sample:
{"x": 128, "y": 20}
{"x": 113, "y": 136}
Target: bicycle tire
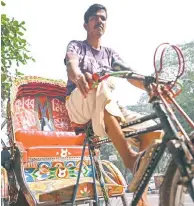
{"x": 124, "y": 200}
{"x": 4, "y": 202}
{"x": 171, "y": 193}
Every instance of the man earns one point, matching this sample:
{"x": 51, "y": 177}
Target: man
{"x": 83, "y": 58}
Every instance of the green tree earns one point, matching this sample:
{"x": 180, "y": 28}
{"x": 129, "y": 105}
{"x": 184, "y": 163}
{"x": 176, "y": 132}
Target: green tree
{"x": 185, "y": 99}
{"x": 14, "y": 51}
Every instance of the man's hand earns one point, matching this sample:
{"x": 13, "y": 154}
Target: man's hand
{"x": 89, "y": 79}
{"x": 83, "y": 82}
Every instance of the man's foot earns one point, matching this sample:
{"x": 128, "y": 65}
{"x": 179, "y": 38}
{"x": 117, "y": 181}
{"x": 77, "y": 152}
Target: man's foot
{"x": 131, "y": 159}
{"x": 142, "y": 165}
{"x": 143, "y": 202}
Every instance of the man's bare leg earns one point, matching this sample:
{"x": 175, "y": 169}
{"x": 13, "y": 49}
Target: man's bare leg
{"x": 128, "y": 155}
{"x": 115, "y": 133}
{"x": 144, "y": 143}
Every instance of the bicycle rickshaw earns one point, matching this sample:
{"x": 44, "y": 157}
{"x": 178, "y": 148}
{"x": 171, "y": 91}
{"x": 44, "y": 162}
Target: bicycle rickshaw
{"x": 50, "y": 164}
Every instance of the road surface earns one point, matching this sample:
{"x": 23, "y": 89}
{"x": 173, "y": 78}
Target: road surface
{"x": 153, "y": 200}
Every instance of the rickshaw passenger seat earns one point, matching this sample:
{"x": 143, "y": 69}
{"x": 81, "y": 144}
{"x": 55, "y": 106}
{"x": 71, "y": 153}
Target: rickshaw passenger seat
{"x": 57, "y": 128}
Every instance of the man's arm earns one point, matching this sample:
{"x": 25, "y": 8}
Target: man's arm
{"x": 136, "y": 83}
{"x": 73, "y": 70}
{"x": 72, "y": 64}
{"x": 74, "y": 73}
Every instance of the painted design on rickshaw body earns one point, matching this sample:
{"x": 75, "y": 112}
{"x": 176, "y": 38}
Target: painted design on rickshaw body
{"x": 64, "y": 153}
{"x": 42, "y": 190}
{"x": 85, "y": 191}
{"x": 47, "y": 150}
{"x": 57, "y": 170}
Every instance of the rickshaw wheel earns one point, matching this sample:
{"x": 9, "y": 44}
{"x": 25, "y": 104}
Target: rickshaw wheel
{"x": 21, "y": 201}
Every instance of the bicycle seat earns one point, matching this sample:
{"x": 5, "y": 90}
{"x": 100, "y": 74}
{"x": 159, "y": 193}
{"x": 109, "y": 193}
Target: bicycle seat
{"x": 80, "y": 128}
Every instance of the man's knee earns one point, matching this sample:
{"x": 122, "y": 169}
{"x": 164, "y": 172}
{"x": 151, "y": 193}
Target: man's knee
{"x": 111, "y": 123}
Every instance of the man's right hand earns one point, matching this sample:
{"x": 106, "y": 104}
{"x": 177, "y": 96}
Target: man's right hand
{"x": 82, "y": 84}
{"x": 81, "y": 80}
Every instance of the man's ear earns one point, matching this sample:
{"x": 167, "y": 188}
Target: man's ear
{"x": 85, "y": 26}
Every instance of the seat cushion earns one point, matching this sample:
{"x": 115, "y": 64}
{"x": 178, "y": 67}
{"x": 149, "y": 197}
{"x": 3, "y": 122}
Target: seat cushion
{"x": 48, "y": 138}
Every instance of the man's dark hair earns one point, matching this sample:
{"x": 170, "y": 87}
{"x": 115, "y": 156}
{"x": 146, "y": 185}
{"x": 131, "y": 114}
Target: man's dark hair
{"x": 92, "y": 10}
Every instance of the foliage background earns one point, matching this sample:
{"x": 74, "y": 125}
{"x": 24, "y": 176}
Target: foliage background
{"x": 14, "y": 50}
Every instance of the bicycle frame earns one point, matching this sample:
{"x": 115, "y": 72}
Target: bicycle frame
{"x": 180, "y": 146}
{"x": 169, "y": 141}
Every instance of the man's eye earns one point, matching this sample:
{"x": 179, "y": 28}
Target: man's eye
{"x": 103, "y": 18}
{"x": 93, "y": 17}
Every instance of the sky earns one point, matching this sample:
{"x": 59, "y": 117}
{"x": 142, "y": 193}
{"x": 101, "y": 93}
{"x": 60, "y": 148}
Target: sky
{"x": 134, "y": 29}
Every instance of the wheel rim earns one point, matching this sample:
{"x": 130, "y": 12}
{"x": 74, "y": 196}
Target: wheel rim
{"x": 180, "y": 195}
{"x": 180, "y": 192}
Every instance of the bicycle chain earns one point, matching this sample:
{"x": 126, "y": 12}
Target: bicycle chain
{"x": 146, "y": 176}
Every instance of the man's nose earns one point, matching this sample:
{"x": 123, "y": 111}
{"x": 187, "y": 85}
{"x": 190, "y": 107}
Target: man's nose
{"x": 99, "y": 19}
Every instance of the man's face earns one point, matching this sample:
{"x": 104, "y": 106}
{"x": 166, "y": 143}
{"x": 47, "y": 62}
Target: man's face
{"x": 96, "y": 24}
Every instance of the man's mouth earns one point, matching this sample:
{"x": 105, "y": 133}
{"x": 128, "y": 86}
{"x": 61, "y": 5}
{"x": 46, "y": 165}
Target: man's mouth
{"x": 98, "y": 26}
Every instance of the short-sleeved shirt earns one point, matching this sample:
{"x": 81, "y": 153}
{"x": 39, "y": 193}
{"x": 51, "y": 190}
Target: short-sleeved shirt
{"x": 90, "y": 60}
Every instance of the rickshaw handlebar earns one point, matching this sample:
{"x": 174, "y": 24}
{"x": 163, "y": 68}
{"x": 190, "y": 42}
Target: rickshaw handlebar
{"x": 120, "y": 66}
{"x": 119, "y": 69}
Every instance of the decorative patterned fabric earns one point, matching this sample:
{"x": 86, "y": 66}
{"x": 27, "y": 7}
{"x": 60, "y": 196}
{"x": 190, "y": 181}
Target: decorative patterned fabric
{"x": 23, "y": 104}
{"x": 24, "y": 116}
{"x": 31, "y": 85}
{"x": 26, "y": 113}
{"x": 60, "y": 116}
